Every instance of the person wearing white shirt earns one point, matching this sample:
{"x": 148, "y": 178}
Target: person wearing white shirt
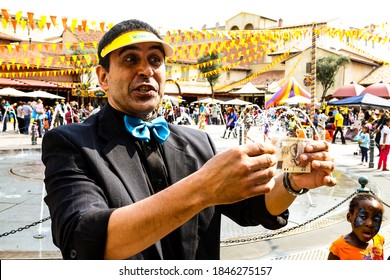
{"x": 384, "y": 145}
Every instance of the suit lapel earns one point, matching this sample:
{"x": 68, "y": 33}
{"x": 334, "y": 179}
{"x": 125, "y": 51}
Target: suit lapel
{"x": 121, "y": 153}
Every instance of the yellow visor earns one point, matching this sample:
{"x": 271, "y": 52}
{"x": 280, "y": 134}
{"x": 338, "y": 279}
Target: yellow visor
{"x": 135, "y": 37}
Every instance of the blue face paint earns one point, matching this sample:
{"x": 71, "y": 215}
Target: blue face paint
{"x": 377, "y": 221}
{"x": 360, "y": 217}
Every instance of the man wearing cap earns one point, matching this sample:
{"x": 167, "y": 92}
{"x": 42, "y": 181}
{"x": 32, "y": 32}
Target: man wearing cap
{"x": 339, "y": 123}
{"x": 126, "y": 185}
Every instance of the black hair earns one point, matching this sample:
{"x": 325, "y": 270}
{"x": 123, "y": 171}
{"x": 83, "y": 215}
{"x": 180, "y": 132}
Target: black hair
{"x": 116, "y": 31}
{"x": 362, "y": 196}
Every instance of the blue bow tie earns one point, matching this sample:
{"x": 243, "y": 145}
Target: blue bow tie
{"x": 141, "y": 130}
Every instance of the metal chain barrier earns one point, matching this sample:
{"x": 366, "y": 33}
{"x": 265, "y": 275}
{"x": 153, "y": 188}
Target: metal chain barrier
{"x": 384, "y": 203}
{"x": 279, "y": 232}
{"x": 25, "y": 227}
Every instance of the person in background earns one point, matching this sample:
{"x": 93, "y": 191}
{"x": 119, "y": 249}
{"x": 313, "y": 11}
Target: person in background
{"x": 364, "y": 143}
{"x": 231, "y": 123}
{"x": 5, "y": 113}
{"x": 38, "y": 115}
{"x": 246, "y": 119}
{"x": 27, "y": 112}
{"x": 384, "y": 143}
{"x": 339, "y": 123}
{"x": 377, "y": 126}
{"x": 20, "y": 116}
{"x": 125, "y": 184}
{"x": 363, "y": 242}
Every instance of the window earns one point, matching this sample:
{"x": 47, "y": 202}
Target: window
{"x": 308, "y": 67}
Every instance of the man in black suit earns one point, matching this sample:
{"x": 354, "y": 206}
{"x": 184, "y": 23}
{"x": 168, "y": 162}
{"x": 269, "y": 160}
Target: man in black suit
{"x": 125, "y": 185}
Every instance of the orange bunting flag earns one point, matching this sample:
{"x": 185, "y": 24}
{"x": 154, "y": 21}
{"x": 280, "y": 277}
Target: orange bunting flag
{"x": 14, "y": 22}
{"x": 64, "y": 24}
{"x": 31, "y": 19}
{"x": 102, "y": 26}
{"x": 5, "y": 14}
{"x": 53, "y": 20}
{"x": 84, "y": 24}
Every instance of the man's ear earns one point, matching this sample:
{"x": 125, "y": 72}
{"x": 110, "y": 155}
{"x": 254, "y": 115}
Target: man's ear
{"x": 349, "y": 217}
{"x": 101, "y": 74}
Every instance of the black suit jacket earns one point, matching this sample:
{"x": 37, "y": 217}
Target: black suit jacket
{"x": 93, "y": 167}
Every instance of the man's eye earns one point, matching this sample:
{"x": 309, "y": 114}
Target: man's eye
{"x": 131, "y": 59}
{"x": 156, "y": 61}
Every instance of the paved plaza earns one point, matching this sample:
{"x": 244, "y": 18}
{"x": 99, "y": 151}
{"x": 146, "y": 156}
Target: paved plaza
{"x": 317, "y": 218}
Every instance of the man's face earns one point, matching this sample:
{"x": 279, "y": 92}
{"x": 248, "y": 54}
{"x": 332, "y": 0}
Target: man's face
{"x": 135, "y": 83}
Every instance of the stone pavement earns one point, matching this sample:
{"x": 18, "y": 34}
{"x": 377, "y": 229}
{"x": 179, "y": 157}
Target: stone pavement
{"x": 22, "y": 189}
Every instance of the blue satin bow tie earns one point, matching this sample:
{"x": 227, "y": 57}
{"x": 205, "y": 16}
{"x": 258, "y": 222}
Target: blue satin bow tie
{"x": 141, "y": 130}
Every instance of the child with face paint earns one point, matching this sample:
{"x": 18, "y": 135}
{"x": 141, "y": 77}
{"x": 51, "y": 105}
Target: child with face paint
{"x": 363, "y": 242}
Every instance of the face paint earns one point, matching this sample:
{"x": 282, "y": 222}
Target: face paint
{"x": 360, "y": 217}
{"x": 377, "y": 221}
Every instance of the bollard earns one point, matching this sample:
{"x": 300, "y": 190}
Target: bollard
{"x": 371, "y": 149}
{"x": 240, "y": 135}
{"x": 363, "y": 181}
{"x": 33, "y": 134}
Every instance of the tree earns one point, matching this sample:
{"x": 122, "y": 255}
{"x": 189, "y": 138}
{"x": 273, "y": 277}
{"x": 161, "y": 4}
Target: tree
{"x": 327, "y": 69}
{"x": 209, "y": 64}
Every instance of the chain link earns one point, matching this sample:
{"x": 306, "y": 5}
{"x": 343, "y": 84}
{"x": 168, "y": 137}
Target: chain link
{"x": 25, "y": 227}
{"x": 279, "y": 232}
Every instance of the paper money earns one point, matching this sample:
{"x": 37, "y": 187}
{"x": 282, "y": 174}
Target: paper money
{"x": 288, "y": 150}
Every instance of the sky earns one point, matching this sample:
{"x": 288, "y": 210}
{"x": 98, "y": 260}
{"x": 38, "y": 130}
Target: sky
{"x": 182, "y": 14}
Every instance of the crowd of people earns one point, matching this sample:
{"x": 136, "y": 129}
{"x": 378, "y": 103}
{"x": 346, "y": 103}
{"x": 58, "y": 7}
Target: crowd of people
{"x": 23, "y": 114}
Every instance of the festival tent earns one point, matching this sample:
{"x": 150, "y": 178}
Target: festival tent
{"x": 297, "y": 99}
{"x": 288, "y": 90}
{"x": 364, "y": 99}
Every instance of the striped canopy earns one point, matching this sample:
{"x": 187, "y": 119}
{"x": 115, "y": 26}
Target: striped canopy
{"x": 288, "y": 90}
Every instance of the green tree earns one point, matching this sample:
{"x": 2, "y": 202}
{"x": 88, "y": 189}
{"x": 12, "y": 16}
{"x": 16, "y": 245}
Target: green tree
{"x": 327, "y": 69}
{"x": 209, "y": 64}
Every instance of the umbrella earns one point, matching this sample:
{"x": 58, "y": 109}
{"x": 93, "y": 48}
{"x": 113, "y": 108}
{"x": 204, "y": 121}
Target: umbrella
{"x": 12, "y": 92}
{"x": 42, "y": 94}
{"x": 208, "y": 100}
{"x": 236, "y": 101}
{"x": 348, "y": 90}
{"x": 364, "y": 99}
{"x": 248, "y": 88}
{"x": 379, "y": 89}
{"x": 298, "y": 99}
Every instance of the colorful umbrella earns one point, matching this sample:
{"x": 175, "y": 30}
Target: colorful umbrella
{"x": 379, "y": 89}
{"x": 348, "y": 91}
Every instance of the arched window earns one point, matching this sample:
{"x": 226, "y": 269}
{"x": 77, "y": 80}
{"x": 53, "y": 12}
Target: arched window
{"x": 249, "y": 26}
